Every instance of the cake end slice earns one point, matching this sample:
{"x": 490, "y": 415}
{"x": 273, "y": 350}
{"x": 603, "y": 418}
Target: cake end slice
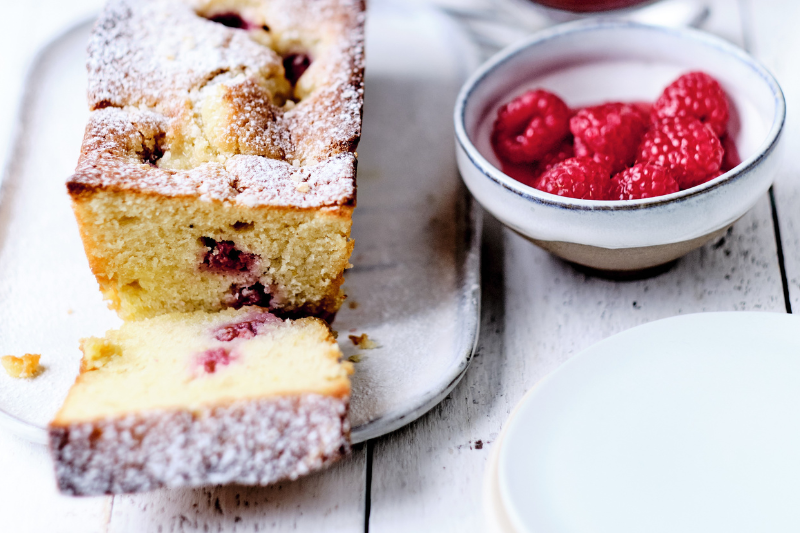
{"x": 192, "y": 399}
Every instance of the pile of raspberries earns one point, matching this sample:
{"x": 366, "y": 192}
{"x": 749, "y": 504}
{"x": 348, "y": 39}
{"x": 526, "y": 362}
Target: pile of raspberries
{"x": 618, "y": 151}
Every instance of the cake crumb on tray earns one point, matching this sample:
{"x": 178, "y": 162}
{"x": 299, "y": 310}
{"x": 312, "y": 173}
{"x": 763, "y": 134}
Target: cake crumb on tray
{"x": 26, "y": 366}
{"x": 363, "y": 341}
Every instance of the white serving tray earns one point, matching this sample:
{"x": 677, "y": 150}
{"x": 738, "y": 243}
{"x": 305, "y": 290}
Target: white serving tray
{"x": 414, "y": 288}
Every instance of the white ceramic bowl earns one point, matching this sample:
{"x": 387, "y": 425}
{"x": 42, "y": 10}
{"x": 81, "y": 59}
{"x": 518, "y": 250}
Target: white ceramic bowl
{"x": 590, "y": 62}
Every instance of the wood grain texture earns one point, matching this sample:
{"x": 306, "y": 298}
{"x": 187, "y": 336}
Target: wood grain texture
{"x": 329, "y": 501}
{"x": 29, "y": 500}
{"x": 774, "y": 40}
{"x": 537, "y": 312}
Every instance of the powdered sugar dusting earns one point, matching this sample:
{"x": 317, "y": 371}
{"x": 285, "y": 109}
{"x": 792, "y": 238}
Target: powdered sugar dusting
{"x": 251, "y": 181}
{"x": 206, "y": 102}
{"x": 151, "y": 52}
{"x": 249, "y": 442}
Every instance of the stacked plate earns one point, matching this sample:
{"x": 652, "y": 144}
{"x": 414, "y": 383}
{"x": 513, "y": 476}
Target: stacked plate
{"x": 686, "y": 424}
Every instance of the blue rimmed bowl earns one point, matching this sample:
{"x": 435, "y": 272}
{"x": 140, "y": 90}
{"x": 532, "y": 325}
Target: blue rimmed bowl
{"x": 592, "y": 62}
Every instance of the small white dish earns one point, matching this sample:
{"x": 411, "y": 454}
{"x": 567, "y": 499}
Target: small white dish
{"x": 590, "y": 62}
{"x": 687, "y": 424}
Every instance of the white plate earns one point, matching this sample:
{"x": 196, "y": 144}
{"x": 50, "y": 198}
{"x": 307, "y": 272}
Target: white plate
{"x": 495, "y": 516}
{"x": 416, "y": 274}
{"x": 686, "y": 424}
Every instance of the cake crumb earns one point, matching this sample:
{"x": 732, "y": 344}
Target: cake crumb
{"x": 97, "y": 352}
{"x": 363, "y": 341}
{"x": 26, "y": 366}
{"x": 355, "y": 358}
{"x": 70, "y": 311}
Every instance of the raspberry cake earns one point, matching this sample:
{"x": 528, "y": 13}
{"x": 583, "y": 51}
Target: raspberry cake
{"x": 218, "y": 165}
{"x": 188, "y": 399}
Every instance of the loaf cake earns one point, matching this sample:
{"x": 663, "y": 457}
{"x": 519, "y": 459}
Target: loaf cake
{"x": 188, "y": 399}
{"x": 218, "y": 164}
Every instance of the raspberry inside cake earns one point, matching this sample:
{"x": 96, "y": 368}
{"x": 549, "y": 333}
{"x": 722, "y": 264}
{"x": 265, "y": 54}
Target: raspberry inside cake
{"x": 152, "y": 256}
{"x": 218, "y": 165}
{"x": 189, "y": 399}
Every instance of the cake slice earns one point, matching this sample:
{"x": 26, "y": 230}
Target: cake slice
{"x": 191, "y": 399}
{"x": 218, "y": 165}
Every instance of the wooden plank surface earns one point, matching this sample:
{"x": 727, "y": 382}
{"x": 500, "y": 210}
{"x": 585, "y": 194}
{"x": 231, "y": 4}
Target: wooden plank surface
{"x": 329, "y": 501}
{"x": 537, "y": 312}
{"x": 29, "y": 500}
{"x": 775, "y": 41}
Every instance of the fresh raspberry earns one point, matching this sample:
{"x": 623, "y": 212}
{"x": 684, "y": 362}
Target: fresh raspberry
{"x": 561, "y": 153}
{"x": 685, "y": 145}
{"x": 697, "y": 95}
{"x": 528, "y": 173}
{"x": 731, "y": 158}
{"x": 577, "y": 177}
{"x": 609, "y": 133}
{"x": 645, "y": 108}
{"x": 530, "y": 126}
{"x": 643, "y": 181}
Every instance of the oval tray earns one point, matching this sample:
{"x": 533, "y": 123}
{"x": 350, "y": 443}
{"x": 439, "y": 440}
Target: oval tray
{"x": 414, "y": 288}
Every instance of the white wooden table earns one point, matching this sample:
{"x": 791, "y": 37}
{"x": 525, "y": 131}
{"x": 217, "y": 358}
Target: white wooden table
{"x": 537, "y": 312}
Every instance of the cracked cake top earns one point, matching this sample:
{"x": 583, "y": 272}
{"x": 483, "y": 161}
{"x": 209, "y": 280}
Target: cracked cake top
{"x": 252, "y": 101}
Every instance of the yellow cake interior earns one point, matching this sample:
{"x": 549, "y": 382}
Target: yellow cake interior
{"x": 148, "y": 254}
{"x": 163, "y": 363}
